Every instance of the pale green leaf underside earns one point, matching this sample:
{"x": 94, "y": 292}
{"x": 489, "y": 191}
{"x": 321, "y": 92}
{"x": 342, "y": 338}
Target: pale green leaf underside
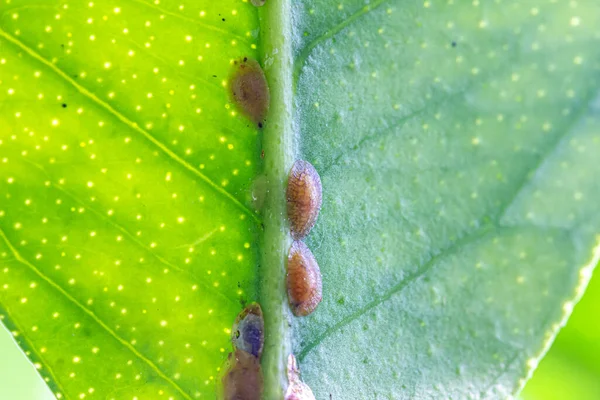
{"x": 457, "y": 144}
{"x": 126, "y": 237}
{"x": 459, "y": 187}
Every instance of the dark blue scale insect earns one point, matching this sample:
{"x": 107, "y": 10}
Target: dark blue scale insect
{"x": 248, "y": 332}
{"x": 253, "y": 336}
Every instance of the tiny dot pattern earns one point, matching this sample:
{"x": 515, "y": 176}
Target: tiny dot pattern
{"x": 127, "y": 241}
{"x": 457, "y": 146}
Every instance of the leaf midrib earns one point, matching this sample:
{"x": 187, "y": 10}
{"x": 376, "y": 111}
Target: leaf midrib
{"x": 278, "y": 145}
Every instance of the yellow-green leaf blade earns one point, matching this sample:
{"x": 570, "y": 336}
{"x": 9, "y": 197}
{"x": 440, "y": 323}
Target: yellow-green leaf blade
{"x": 127, "y": 238}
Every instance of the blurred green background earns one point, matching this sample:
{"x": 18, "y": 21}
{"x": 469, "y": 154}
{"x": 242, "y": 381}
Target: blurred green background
{"x": 571, "y": 370}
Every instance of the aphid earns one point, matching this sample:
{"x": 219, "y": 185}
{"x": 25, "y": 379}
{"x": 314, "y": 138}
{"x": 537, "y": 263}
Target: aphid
{"x": 303, "y": 198}
{"x": 304, "y": 285}
{"x": 242, "y": 379}
{"x": 258, "y": 3}
{"x": 249, "y": 90}
{"x": 248, "y": 332}
{"x": 297, "y": 390}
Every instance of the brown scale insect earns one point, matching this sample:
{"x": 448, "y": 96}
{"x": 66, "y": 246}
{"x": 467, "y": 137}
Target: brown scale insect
{"x": 242, "y": 379}
{"x": 249, "y": 90}
{"x": 297, "y": 390}
{"x": 258, "y": 3}
{"x": 304, "y": 197}
{"x": 303, "y": 280}
{"x": 248, "y": 332}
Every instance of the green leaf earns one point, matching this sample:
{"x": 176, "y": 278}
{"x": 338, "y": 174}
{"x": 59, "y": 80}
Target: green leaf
{"x": 127, "y": 238}
{"x": 456, "y": 143}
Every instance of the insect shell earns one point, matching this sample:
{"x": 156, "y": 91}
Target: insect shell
{"x": 304, "y": 198}
{"x": 303, "y": 280}
{"x": 297, "y": 390}
{"x": 249, "y": 90}
{"x": 242, "y": 379}
{"x": 248, "y": 332}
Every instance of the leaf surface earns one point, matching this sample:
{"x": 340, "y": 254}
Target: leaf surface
{"x": 126, "y": 232}
{"x": 456, "y": 144}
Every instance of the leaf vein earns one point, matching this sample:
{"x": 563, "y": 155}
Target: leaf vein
{"x": 303, "y": 56}
{"x": 93, "y": 316}
{"x": 532, "y": 174}
{"x": 131, "y": 124}
{"x": 474, "y": 236}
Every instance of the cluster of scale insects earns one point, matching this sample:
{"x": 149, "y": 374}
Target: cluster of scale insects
{"x": 242, "y": 378}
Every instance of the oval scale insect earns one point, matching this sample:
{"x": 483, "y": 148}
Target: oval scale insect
{"x": 249, "y": 90}
{"x": 248, "y": 332}
{"x": 304, "y": 197}
{"x": 297, "y": 390}
{"x": 303, "y": 280}
{"x": 242, "y": 379}
{"x": 258, "y": 3}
